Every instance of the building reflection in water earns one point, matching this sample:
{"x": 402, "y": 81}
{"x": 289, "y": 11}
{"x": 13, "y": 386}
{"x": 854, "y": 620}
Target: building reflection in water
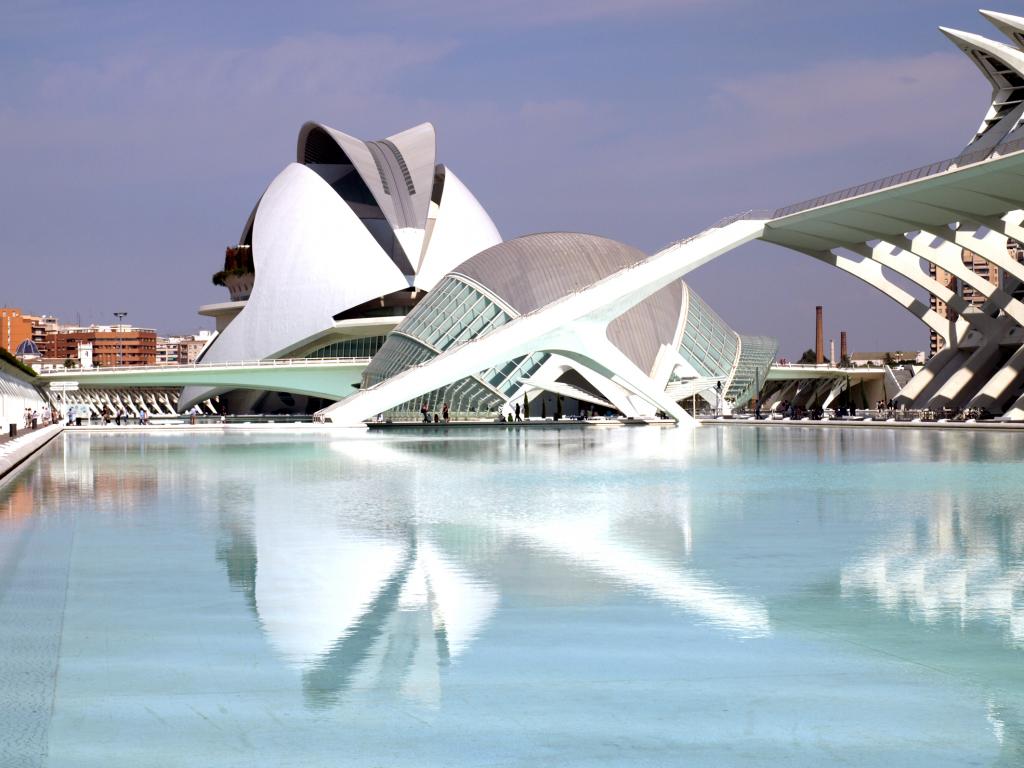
{"x": 587, "y": 540}
{"x": 87, "y": 473}
{"x": 958, "y": 566}
{"x": 354, "y": 601}
{"x": 954, "y": 564}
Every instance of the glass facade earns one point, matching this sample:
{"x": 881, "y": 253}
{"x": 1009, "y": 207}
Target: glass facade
{"x": 399, "y": 353}
{"x": 757, "y": 353}
{"x": 708, "y": 343}
{"x": 467, "y": 398}
{"x": 368, "y": 346}
{"x": 452, "y": 313}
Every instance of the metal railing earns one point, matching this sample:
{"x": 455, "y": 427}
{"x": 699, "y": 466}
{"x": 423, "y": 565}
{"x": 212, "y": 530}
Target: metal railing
{"x": 933, "y": 169}
{"x": 312, "y": 362}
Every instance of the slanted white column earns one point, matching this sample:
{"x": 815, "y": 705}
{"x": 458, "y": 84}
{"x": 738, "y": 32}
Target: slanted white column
{"x": 968, "y": 378}
{"x": 837, "y": 388}
{"x": 999, "y": 387}
{"x": 948, "y": 256}
{"x": 945, "y": 366}
{"x": 870, "y": 271}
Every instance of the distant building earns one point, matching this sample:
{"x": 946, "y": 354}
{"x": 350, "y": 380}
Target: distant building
{"x": 167, "y": 350}
{"x": 972, "y": 296}
{"x": 111, "y": 345}
{"x": 15, "y": 327}
{"x": 181, "y": 350}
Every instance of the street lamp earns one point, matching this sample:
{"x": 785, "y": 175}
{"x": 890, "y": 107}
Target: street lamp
{"x": 120, "y": 341}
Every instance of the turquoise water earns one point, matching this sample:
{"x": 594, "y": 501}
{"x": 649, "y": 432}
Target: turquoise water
{"x": 727, "y": 597}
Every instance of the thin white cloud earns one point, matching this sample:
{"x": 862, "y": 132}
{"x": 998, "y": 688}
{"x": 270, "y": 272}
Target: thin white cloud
{"x": 837, "y": 104}
{"x": 520, "y": 13}
{"x": 214, "y": 106}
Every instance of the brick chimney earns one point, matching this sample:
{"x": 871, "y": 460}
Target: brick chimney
{"x": 819, "y": 338}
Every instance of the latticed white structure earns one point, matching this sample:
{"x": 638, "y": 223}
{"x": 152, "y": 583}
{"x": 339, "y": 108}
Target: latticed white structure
{"x": 17, "y": 394}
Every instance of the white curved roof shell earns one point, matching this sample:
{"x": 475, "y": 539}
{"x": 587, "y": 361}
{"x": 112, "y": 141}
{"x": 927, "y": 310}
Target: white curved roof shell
{"x": 315, "y": 257}
{"x": 461, "y": 230}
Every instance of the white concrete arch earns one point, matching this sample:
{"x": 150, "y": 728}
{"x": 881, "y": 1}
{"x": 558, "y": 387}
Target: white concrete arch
{"x": 947, "y": 255}
{"x": 870, "y": 271}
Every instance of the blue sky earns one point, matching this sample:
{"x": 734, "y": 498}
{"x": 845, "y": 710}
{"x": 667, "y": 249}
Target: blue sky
{"x": 136, "y": 136}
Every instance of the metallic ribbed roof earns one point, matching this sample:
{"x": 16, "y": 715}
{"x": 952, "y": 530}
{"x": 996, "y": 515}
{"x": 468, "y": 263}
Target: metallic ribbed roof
{"x": 531, "y": 272}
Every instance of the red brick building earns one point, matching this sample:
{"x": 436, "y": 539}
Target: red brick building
{"x": 112, "y": 345}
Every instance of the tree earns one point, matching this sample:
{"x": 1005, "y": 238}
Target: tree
{"x": 810, "y": 357}
{"x": 69, "y": 363}
{"x": 889, "y": 359}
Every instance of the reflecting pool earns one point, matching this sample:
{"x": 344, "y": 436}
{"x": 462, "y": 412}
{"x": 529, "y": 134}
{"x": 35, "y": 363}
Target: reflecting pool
{"x": 635, "y": 596}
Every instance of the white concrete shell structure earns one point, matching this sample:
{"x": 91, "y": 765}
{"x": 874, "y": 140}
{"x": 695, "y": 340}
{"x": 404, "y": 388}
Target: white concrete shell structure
{"x": 889, "y": 227}
{"x": 573, "y": 314}
{"x": 343, "y": 242}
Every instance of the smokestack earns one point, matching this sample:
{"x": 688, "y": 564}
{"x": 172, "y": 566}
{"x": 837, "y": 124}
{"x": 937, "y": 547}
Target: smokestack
{"x": 844, "y": 352}
{"x": 819, "y": 338}
{"x": 832, "y": 351}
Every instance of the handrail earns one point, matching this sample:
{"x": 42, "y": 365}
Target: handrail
{"x": 924, "y": 171}
{"x": 313, "y": 362}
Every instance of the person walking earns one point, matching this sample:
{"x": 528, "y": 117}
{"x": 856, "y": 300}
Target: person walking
{"x": 445, "y": 415}
{"x": 519, "y": 416}
{"x": 425, "y": 411}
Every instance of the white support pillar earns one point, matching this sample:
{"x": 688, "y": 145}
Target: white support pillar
{"x": 948, "y": 256}
{"x": 998, "y": 388}
{"x": 968, "y": 378}
{"x": 906, "y": 263}
{"x": 870, "y": 271}
{"x": 992, "y": 247}
{"x": 1016, "y": 411}
{"x": 834, "y": 392}
{"x": 949, "y": 365}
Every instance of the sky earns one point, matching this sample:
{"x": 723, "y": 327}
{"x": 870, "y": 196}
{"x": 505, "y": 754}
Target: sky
{"x": 136, "y": 136}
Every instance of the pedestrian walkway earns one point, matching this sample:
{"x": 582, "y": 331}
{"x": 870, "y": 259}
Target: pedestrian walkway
{"x": 14, "y": 451}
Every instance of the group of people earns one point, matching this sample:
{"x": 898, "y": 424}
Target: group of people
{"x": 33, "y": 418}
{"x": 445, "y": 415}
{"x": 518, "y": 414}
{"x": 120, "y": 416}
{"x": 885, "y": 408}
